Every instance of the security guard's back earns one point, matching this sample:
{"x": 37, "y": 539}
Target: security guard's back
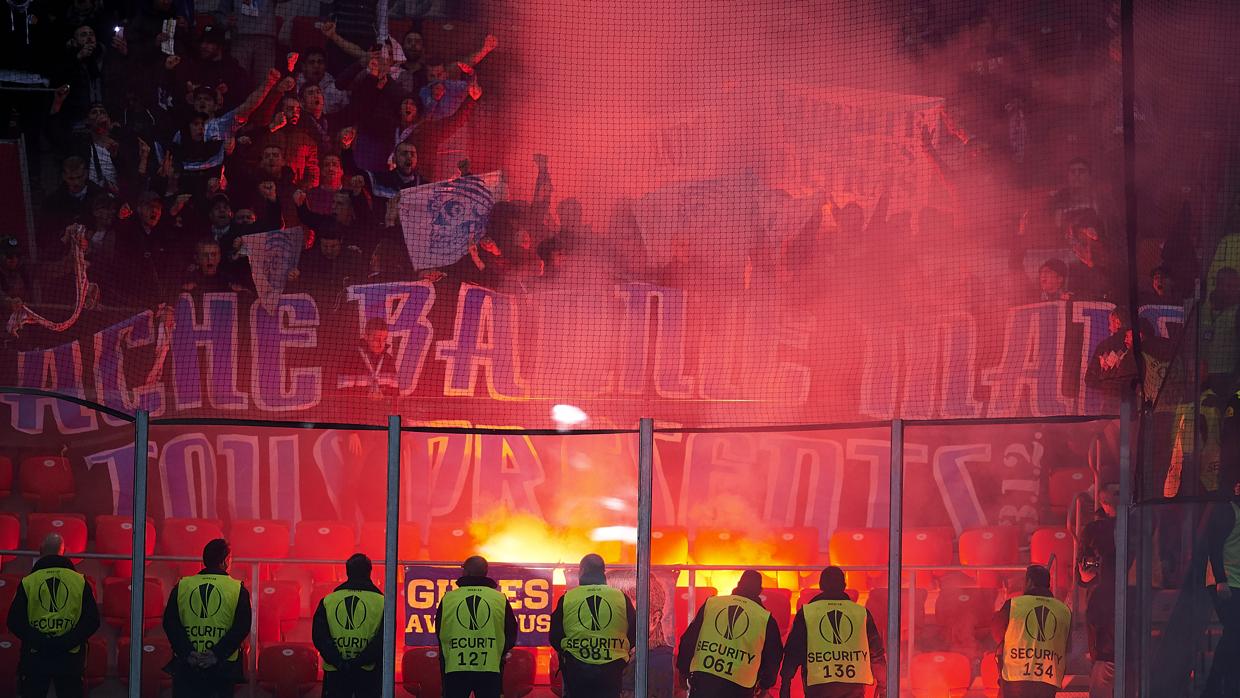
{"x": 1033, "y": 630}
{"x": 53, "y": 614}
{"x": 206, "y": 620}
{"x": 477, "y": 629}
{"x": 732, "y": 647}
{"x": 348, "y": 633}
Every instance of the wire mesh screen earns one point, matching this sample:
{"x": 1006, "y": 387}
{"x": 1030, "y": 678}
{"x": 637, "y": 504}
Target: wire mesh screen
{"x": 712, "y": 213}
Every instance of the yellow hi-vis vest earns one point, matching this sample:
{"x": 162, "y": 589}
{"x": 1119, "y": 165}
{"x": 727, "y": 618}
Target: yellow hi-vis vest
{"x": 837, "y": 643}
{"x": 352, "y": 619}
{"x": 54, "y": 600}
{"x": 596, "y": 624}
{"x": 471, "y": 629}
{"x": 207, "y": 604}
{"x": 730, "y": 642}
{"x": 1036, "y": 640}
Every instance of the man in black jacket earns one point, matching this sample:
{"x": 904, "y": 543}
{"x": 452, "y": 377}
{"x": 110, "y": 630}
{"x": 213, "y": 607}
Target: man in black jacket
{"x": 476, "y": 594}
{"x": 1223, "y": 544}
{"x": 840, "y": 620}
{"x": 53, "y": 614}
{"x": 348, "y": 633}
{"x": 206, "y": 620}
{"x": 703, "y": 681}
{"x": 593, "y": 629}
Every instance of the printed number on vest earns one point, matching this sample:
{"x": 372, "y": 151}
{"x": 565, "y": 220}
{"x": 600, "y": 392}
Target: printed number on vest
{"x": 840, "y": 671}
{"x": 471, "y": 658}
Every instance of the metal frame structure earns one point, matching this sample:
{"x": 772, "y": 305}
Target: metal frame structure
{"x": 645, "y": 434}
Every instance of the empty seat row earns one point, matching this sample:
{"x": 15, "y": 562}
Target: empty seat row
{"x": 44, "y": 481}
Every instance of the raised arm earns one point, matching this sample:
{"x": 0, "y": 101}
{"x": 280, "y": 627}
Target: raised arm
{"x": 353, "y": 50}
{"x": 468, "y": 63}
{"x": 260, "y": 93}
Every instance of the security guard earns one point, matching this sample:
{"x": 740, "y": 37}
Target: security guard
{"x": 1032, "y": 630}
{"x": 826, "y": 643}
{"x": 53, "y": 614}
{"x": 732, "y": 647}
{"x": 593, "y": 629}
{"x": 477, "y": 629}
{"x": 206, "y": 620}
{"x": 348, "y": 633}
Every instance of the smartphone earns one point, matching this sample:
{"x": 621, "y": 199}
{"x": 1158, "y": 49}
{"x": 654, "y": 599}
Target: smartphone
{"x": 120, "y": 31}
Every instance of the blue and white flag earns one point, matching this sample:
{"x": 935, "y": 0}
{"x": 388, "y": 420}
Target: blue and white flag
{"x": 442, "y": 220}
{"x": 273, "y": 255}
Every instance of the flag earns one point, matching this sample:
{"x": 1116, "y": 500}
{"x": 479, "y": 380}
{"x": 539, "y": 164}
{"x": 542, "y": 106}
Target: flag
{"x": 272, "y": 256}
{"x": 442, "y": 220}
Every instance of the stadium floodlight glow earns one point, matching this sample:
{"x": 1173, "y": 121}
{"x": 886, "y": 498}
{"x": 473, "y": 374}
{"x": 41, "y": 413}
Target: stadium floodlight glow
{"x": 624, "y": 534}
{"x": 568, "y": 416}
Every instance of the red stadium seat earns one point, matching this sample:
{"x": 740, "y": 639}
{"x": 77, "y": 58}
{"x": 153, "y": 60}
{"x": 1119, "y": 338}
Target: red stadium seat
{"x": 797, "y": 546}
{"x": 940, "y": 675}
{"x": 450, "y": 38}
{"x": 8, "y": 589}
{"x": 1066, "y": 483}
{"x": 288, "y": 670}
{"x": 259, "y": 538}
{"x": 421, "y": 677}
{"x": 964, "y": 616}
{"x": 1054, "y": 541}
{"x": 990, "y": 546}
{"x": 927, "y": 546}
{"x": 860, "y": 547}
{"x": 779, "y": 603}
{"x": 717, "y": 547}
{"x": 156, "y": 653}
{"x": 96, "y": 662}
{"x": 115, "y": 606}
{"x": 324, "y": 540}
{"x": 451, "y": 543}
{"x": 6, "y": 476}
{"x": 519, "y": 672}
{"x": 47, "y": 482}
{"x": 990, "y": 675}
{"x": 10, "y": 653}
{"x": 10, "y": 536}
{"x": 684, "y": 614}
{"x": 320, "y": 591}
{"x": 71, "y": 527}
{"x": 276, "y": 601}
{"x": 298, "y": 631}
{"x": 187, "y": 538}
{"x": 669, "y": 546}
{"x": 114, "y": 536}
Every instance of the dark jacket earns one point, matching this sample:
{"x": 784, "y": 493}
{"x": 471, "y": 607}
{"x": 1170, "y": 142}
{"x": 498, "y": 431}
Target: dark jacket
{"x": 231, "y": 642}
{"x": 1218, "y": 527}
{"x": 797, "y": 648}
{"x": 322, "y": 636}
{"x": 510, "y": 619}
{"x": 51, "y": 655}
{"x": 709, "y": 684}
{"x": 1097, "y": 544}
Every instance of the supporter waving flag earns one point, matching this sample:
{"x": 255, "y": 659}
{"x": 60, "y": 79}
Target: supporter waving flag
{"x": 273, "y": 256}
{"x": 441, "y": 221}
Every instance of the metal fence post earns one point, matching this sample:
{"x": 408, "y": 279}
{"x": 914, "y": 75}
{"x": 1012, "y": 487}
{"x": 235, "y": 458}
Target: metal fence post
{"x": 1121, "y": 546}
{"x": 391, "y": 557}
{"x": 894, "y": 566}
{"x": 645, "y": 492}
{"x": 137, "y": 579}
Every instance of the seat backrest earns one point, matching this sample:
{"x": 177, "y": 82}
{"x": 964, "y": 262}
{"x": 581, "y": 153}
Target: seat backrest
{"x": 10, "y": 535}
{"x": 993, "y": 545}
{"x": 1066, "y": 483}
{"x": 278, "y": 600}
{"x": 187, "y": 538}
{"x": 71, "y": 527}
{"x": 114, "y": 534}
{"x": 669, "y": 546}
{"x": 796, "y": 546}
{"x": 421, "y": 667}
{"x": 289, "y": 668}
{"x": 117, "y": 595}
{"x": 859, "y": 546}
{"x": 927, "y": 546}
{"x": 779, "y": 603}
{"x": 260, "y": 538}
{"x": 966, "y": 606}
{"x": 519, "y": 672}
{"x": 323, "y": 540}
{"x": 451, "y": 543}
{"x": 10, "y": 653}
{"x": 96, "y": 660}
{"x": 373, "y": 541}
{"x": 156, "y": 653}
{"x": 46, "y": 479}
{"x": 6, "y": 476}
{"x": 1054, "y": 541}
{"x": 8, "y": 590}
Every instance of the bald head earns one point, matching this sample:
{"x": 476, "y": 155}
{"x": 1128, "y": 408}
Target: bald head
{"x": 475, "y": 566}
{"x": 53, "y": 544}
